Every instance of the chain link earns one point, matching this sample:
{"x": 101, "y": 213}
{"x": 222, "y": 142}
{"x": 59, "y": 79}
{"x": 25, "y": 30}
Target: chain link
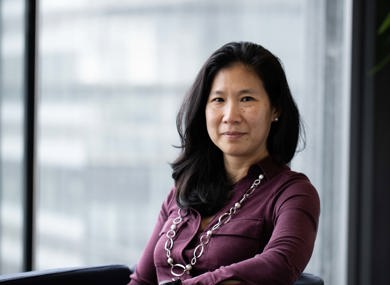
{"x": 178, "y": 269}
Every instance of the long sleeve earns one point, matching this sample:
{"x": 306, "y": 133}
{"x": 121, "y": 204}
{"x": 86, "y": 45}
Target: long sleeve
{"x": 269, "y": 241}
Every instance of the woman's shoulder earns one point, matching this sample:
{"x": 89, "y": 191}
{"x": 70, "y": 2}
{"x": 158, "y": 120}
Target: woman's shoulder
{"x": 289, "y": 174}
{"x": 296, "y": 187}
{"x": 295, "y": 181}
{"x": 287, "y": 184}
{"x": 280, "y": 178}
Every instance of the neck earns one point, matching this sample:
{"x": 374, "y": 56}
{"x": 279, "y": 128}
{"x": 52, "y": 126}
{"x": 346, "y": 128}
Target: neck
{"x": 237, "y": 168}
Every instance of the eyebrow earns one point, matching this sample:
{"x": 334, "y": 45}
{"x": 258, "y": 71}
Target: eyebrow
{"x": 241, "y": 92}
{"x": 247, "y": 91}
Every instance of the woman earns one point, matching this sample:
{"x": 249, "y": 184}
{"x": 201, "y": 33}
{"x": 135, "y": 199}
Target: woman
{"x": 237, "y": 213}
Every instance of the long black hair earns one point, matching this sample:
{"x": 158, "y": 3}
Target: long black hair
{"x": 199, "y": 170}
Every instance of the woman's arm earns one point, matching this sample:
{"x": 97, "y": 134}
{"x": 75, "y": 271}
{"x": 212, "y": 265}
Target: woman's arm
{"x": 295, "y": 219}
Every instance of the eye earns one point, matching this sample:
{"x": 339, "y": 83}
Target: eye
{"x": 217, "y": 99}
{"x": 247, "y": 99}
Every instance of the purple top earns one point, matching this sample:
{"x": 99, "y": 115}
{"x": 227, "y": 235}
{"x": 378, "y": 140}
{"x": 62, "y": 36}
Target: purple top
{"x": 269, "y": 240}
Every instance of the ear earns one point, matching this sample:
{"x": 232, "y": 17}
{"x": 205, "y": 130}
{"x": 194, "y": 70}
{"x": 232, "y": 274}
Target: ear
{"x": 275, "y": 114}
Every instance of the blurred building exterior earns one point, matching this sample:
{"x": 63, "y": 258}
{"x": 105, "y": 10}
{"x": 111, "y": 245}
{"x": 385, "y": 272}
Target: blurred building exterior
{"x": 111, "y": 75}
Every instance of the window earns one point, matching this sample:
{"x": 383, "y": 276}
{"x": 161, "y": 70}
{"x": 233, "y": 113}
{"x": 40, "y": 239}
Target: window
{"x": 11, "y": 137}
{"x": 111, "y": 77}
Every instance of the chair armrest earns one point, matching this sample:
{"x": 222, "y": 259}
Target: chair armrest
{"x": 309, "y": 279}
{"x": 114, "y": 274}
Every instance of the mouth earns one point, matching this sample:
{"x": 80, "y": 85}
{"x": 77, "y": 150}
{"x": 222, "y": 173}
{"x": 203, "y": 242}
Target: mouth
{"x": 233, "y": 134}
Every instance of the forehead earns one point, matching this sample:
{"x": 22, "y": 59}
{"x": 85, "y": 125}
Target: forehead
{"x": 236, "y": 75}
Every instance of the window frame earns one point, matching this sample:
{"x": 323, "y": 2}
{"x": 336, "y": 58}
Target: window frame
{"x": 29, "y": 133}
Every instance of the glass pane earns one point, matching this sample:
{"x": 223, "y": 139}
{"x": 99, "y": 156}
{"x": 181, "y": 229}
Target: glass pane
{"x": 112, "y": 75}
{"x": 11, "y": 134}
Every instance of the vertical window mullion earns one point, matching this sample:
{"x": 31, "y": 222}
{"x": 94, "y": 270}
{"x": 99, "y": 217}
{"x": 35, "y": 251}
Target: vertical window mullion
{"x": 29, "y": 133}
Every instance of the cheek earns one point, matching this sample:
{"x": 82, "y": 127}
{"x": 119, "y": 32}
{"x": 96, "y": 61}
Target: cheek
{"x": 260, "y": 122}
{"x": 212, "y": 124}
{"x": 210, "y": 118}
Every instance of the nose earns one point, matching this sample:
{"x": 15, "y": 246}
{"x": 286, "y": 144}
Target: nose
{"x": 232, "y": 113}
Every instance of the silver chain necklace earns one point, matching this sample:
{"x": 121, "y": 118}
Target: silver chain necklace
{"x": 178, "y": 269}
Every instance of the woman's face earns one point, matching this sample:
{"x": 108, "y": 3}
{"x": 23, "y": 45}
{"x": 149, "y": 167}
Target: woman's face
{"x": 239, "y": 114}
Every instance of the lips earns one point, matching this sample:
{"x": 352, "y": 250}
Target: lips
{"x": 233, "y": 134}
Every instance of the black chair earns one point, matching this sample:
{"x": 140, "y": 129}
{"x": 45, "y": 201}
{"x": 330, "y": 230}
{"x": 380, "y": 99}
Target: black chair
{"x": 113, "y": 274}
{"x": 309, "y": 279}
